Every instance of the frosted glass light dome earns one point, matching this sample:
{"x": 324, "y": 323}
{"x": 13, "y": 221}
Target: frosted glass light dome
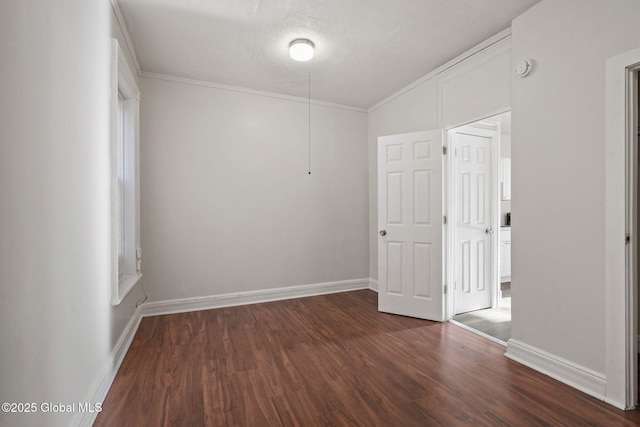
{"x": 301, "y": 49}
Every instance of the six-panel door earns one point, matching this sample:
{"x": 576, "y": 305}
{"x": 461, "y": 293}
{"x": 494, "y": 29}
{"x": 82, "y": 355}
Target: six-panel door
{"x": 410, "y": 270}
{"x": 472, "y": 218}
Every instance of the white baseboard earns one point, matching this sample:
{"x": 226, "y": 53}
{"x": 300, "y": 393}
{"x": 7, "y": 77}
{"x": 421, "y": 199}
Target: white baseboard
{"x": 373, "y": 285}
{"x": 100, "y": 387}
{"x": 184, "y": 305}
{"x": 584, "y": 379}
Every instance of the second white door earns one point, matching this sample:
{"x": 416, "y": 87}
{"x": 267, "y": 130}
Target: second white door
{"x": 473, "y": 218}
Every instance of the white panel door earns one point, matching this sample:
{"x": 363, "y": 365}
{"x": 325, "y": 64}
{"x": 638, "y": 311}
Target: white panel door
{"x": 473, "y": 218}
{"x": 410, "y": 244}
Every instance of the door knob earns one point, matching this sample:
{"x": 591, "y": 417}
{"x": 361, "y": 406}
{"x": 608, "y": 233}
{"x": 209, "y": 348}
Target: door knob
{"x": 383, "y": 232}
{"x": 489, "y": 231}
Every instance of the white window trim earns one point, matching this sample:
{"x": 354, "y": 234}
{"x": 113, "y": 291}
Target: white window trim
{"x": 124, "y": 83}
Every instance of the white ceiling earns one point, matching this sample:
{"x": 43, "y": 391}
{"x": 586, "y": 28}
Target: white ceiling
{"x": 365, "y": 49}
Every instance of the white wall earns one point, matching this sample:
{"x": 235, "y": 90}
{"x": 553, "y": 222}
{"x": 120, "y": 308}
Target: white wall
{"x": 56, "y": 326}
{"x": 472, "y": 89}
{"x": 558, "y": 175}
{"x": 227, "y": 204}
{"x": 411, "y": 112}
{"x": 505, "y": 145}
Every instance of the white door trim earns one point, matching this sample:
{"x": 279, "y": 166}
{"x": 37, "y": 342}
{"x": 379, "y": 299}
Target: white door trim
{"x": 450, "y": 209}
{"x": 621, "y": 287}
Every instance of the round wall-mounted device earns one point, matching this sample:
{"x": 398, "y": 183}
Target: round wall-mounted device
{"x": 523, "y": 68}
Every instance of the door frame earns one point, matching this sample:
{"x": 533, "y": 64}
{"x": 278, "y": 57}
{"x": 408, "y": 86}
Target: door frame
{"x": 621, "y": 264}
{"x": 449, "y": 209}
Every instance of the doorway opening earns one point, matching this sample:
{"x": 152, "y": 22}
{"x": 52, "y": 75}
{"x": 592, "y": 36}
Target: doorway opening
{"x": 480, "y": 226}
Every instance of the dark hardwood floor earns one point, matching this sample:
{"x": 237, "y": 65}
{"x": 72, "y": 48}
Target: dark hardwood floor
{"x": 332, "y": 360}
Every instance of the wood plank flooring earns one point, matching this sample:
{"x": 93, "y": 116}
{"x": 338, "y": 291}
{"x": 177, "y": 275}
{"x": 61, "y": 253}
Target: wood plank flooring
{"x": 332, "y": 360}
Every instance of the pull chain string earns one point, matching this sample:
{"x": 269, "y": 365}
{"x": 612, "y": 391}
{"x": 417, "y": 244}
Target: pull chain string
{"x": 309, "y": 122}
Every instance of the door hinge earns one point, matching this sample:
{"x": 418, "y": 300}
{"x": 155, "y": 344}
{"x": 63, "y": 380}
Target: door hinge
{"x": 627, "y": 239}
{"x": 444, "y": 150}
{"x": 445, "y": 289}
{"x": 444, "y": 218}
{"x": 138, "y": 260}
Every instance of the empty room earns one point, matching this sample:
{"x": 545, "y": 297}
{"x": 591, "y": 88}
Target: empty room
{"x": 266, "y": 213}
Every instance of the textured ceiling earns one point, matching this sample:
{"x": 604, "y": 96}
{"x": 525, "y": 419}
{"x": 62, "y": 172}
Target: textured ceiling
{"x": 365, "y": 49}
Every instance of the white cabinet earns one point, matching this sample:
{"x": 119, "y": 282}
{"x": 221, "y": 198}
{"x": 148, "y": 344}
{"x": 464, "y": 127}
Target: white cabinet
{"x": 505, "y": 254}
{"x": 505, "y": 178}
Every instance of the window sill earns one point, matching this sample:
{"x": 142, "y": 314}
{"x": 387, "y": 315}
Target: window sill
{"x": 125, "y": 284}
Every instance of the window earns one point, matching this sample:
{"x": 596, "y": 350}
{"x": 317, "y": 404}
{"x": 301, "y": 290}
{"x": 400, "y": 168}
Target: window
{"x": 125, "y": 201}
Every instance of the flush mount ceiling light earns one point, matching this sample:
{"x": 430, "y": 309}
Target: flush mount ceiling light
{"x": 301, "y": 49}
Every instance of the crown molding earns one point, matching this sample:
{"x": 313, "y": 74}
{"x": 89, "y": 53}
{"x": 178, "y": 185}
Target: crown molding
{"x": 125, "y": 32}
{"x": 240, "y": 89}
